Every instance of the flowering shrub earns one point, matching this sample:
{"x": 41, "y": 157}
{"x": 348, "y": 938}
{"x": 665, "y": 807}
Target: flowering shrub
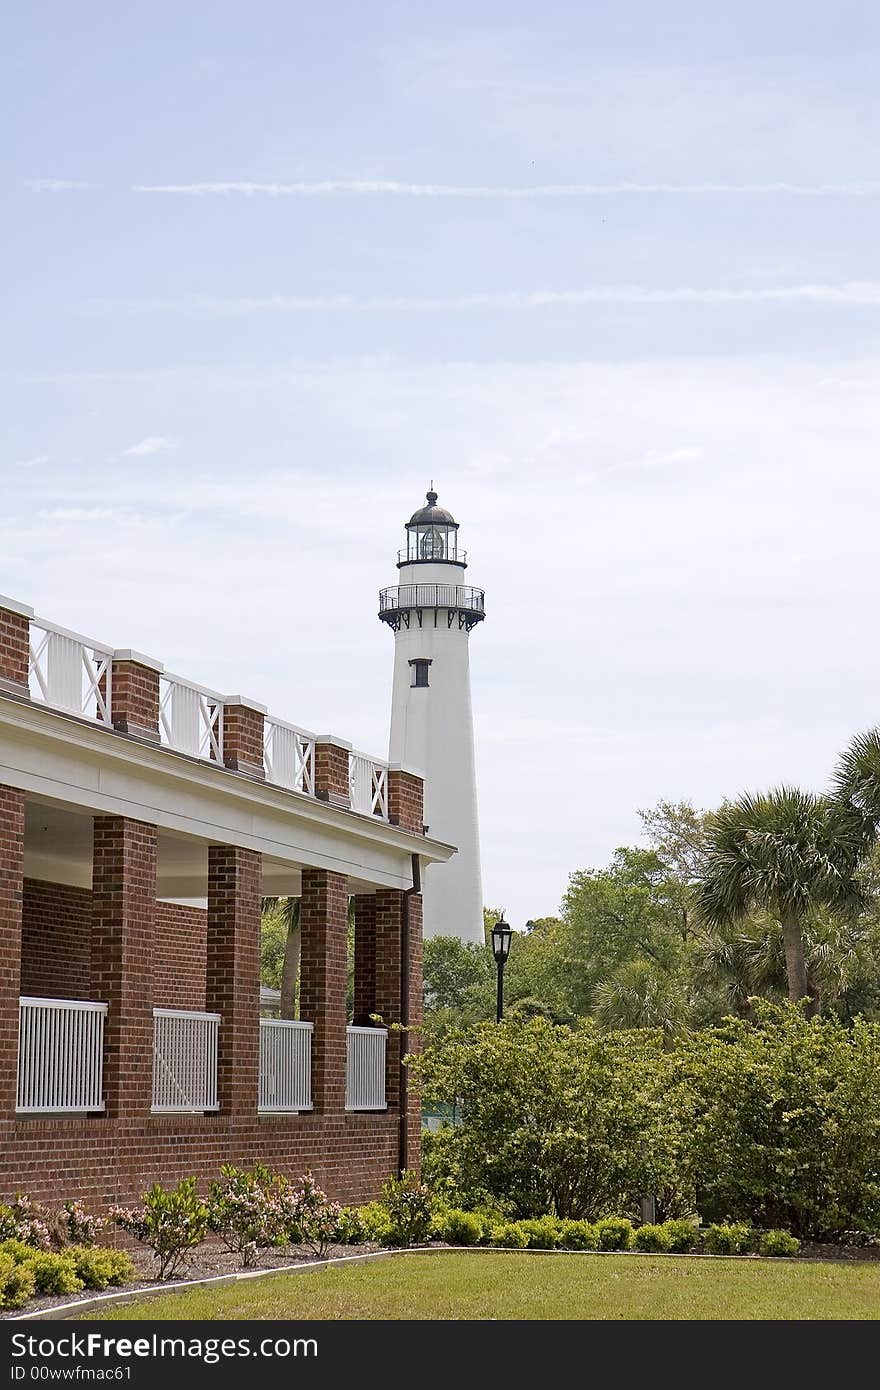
{"x": 169, "y": 1223}
{"x": 310, "y": 1217}
{"x": 24, "y": 1220}
{"x": 247, "y": 1209}
{"x": 81, "y": 1227}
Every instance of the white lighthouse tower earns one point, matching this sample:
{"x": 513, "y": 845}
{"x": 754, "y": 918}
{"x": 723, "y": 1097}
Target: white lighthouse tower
{"x": 431, "y": 612}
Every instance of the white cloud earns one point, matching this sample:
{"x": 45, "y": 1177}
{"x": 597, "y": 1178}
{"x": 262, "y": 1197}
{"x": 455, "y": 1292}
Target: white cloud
{"x": 153, "y": 444}
{"x": 861, "y": 293}
{"x": 396, "y": 187}
{"x": 58, "y": 185}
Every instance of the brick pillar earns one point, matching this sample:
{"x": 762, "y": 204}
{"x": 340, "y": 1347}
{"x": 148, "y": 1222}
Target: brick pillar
{"x": 123, "y": 940}
{"x": 15, "y": 622}
{"x": 332, "y": 770}
{"x": 389, "y": 922}
{"x": 232, "y": 976}
{"x": 323, "y": 979}
{"x": 11, "y": 877}
{"x": 134, "y": 694}
{"x": 364, "y": 959}
{"x": 406, "y": 799}
{"x": 243, "y": 735}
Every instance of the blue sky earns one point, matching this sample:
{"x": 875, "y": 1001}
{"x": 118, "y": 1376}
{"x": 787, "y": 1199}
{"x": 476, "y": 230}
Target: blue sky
{"x": 607, "y": 274}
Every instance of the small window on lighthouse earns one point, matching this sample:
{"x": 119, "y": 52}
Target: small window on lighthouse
{"x": 419, "y": 671}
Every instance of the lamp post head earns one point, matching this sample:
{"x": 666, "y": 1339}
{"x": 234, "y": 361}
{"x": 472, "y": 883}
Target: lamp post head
{"x": 501, "y": 936}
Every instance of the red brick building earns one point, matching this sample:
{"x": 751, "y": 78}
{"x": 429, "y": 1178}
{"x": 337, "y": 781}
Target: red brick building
{"x": 142, "y": 818}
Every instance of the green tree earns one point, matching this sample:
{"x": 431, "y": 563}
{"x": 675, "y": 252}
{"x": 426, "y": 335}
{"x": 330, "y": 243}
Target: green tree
{"x": 281, "y": 924}
{"x": 788, "y": 853}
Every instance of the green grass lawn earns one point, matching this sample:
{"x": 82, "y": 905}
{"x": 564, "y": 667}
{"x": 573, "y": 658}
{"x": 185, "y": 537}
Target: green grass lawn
{"x": 517, "y": 1286}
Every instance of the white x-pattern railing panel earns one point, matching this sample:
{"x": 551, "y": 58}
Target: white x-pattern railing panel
{"x": 289, "y": 756}
{"x": 365, "y": 1068}
{"x": 191, "y": 718}
{"x": 70, "y": 672}
{"x": 368, "y": 779}
{"x": 60, "y": 1055}
{"x": 185, "y": 1060}
{"x": 285, "y": 1065}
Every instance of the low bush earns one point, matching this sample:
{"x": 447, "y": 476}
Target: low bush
{"x": 25, "y": 1220}
{"x": 683, "y": 1235}
{"x": 308, "y": 1216}
{"x": 578, "y": 1235}
{"x": 351, "y": 1229}
{"x": 778, "y": 1243}
{"x": 246, "y": 1210}
{"x": 79, "y": 1226}
{"x": 732, "y": 1239}
{"x": 170, "y": 1223}
{"x": 509, "y": 1235}
{"x": 17, "y": 1283}
{"x": 458, "y": 1227}
{"x": 655, "y": 1239}
{"x": 408, "y": 1206}
{"x": 614, "y": 1233}
{"x": 54, "y": 1274}
{"x": 542, "y": 1233}
{"x": 100, "y": 1268}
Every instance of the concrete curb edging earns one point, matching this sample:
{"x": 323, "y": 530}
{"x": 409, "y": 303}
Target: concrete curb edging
{"x": 62, "y": 1311}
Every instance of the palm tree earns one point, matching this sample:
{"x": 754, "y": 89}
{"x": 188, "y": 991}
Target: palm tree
{"x": 857, "y": 782}
{"x": 288, "y": 909}
{"x": 789, "y": 853}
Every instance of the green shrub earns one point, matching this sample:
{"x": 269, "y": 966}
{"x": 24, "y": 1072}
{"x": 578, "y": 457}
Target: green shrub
{"x": 732, "y": 1239}
{"x": 578, "y": 1235}
{"x": 509, "y": 1235}
{"x": 542, "y": 1233}
{"x": 655, "y": 1239}
{"x": 778, "y": 1243}
{"x": 98, "y": 1267}
{"x": 170, "y": 1223}
{"x": 54, "y": 1273}
{"x": 614, "y": 1233}
{"x": 17, "y": 1283}
{"x": 246, "y": 1210}
{"x": 683, "y": 1236}
{"x": 458, "y": 1227}
{"x": 408, "y": 1206}
{"x": 351, "y": 1228}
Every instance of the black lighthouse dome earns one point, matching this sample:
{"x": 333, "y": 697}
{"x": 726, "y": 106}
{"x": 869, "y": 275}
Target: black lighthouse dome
{"x": 432, "y": 536}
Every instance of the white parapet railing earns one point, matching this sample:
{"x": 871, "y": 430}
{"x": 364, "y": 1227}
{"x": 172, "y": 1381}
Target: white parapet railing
{"x": 368, "y": 781}
{"x": 289, "y": 756}
{"x": 60, "y": 1055}
{"x": 191, "y": 718}
{"x": 184, "y": 1060}
{"x": 285, "y": 1065}
{"x": 365, "y": 1068}
{"x": 70, "y": 672}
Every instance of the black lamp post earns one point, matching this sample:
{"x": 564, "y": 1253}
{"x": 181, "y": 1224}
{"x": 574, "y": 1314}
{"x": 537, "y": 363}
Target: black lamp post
{"x": 501, "y": 934}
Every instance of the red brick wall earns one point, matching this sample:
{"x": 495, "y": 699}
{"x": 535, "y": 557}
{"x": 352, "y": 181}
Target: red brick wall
{"x": 232, "y": 983}
{"x": 56, "y": 947}
{"x": 56, "y": 940}
{"x": 406, "y": 801}
{"x": 134, "y": 698}
{"x": 323, "y": 982}
{"x": 14, "y": 640}
{"x": 11, "y": 869}
{"x": 243, "y": 739}
{"x": 332, "y": 773}
{"x": 104, "y": 1160}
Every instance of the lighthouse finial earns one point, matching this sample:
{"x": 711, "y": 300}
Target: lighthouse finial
{"x": 431, "y": 494}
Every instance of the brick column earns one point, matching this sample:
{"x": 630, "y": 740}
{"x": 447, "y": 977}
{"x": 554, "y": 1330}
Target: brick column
{"x": 406, "y": 798}
{"x": 364, "y": 959}
{"x": 134, "y": 694}
{"x": 389, "y": 922}
{"x": 123, "y": 940}
{"x": 232, "y": 976}
{"x": 11, "y": 877}
{"x": 332, "y": 770}
{"x": 323, "y": 971}
{"x": 15, "y": 622}
{"x": 243, "y": 735}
